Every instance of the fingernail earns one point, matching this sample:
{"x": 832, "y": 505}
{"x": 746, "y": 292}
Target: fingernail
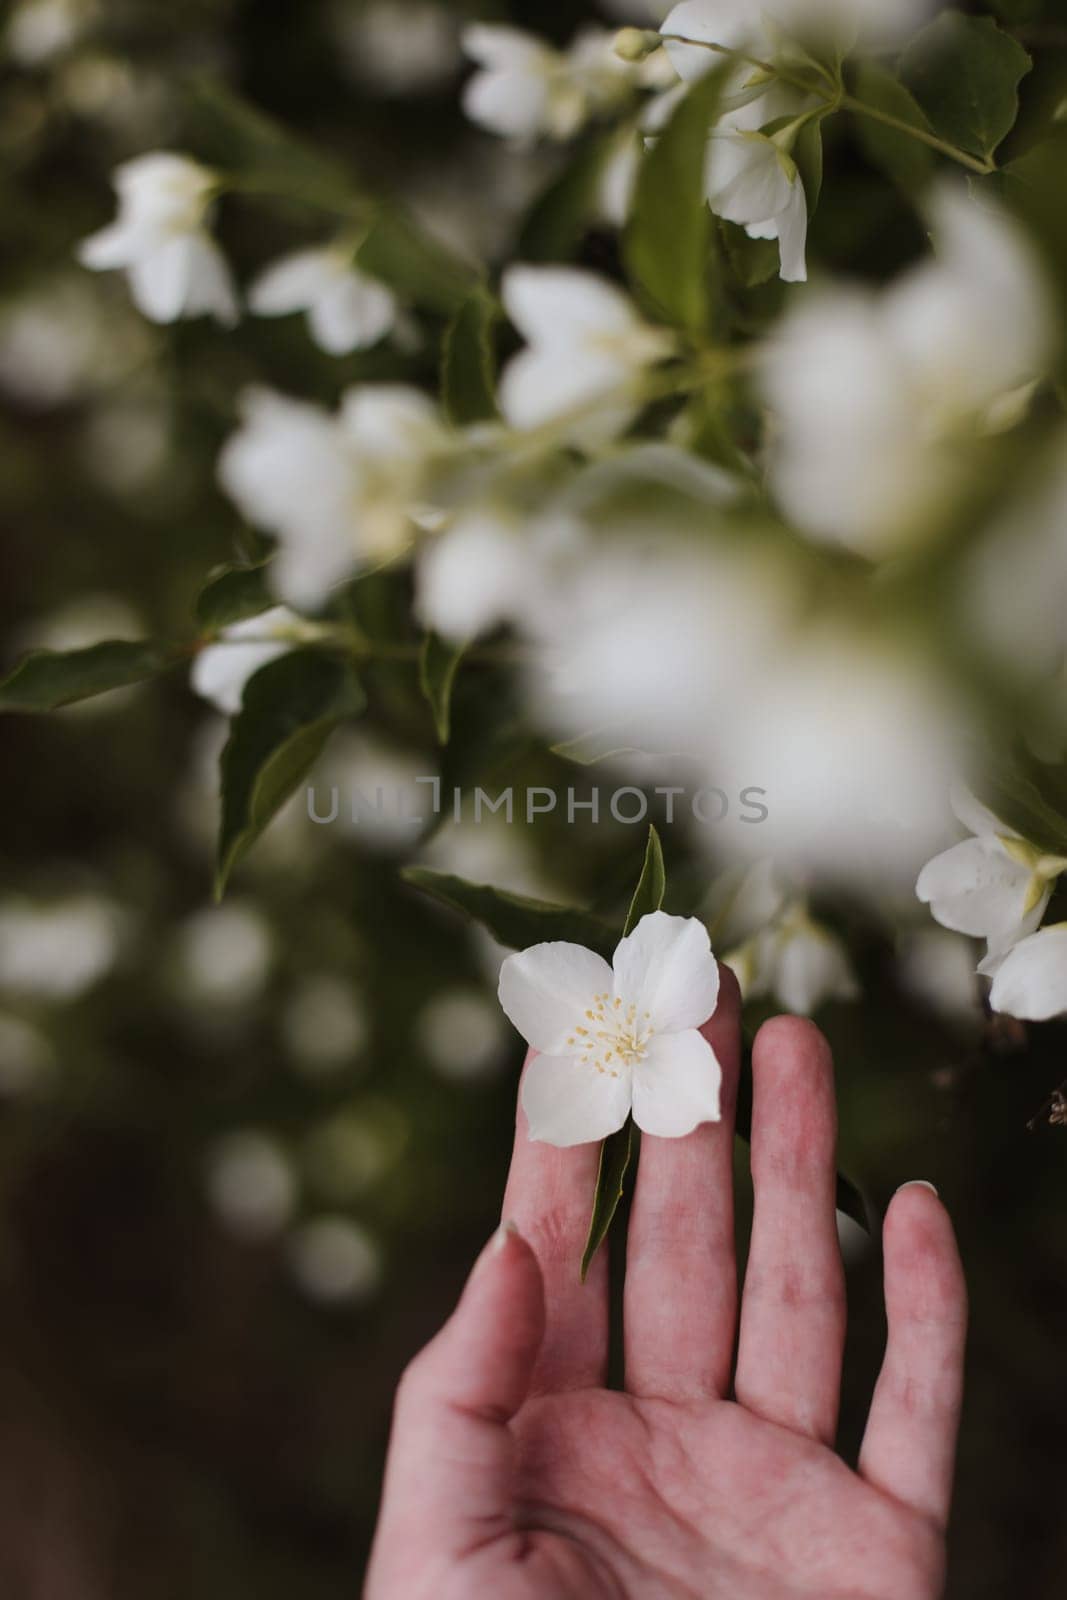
{"x": 918, "y": 1183}
{"x": 507, "y": 1230}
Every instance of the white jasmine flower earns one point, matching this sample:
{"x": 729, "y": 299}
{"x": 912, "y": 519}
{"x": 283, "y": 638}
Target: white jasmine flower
{"x": 1031, "y": 981}
{"x": 59, "y": 951}
{"x": 338, "y": 491}
{"x": 752, "y": 180}
{"x": 174, "y": 267}
{"x": 587, "y": 346}
{"x": 524, "y": 88}
{"x": 994, "y": 885}
{"x": 873, "y": 394}
{"x": 220, "y": 671}
{"x": 492, "y": 566}
{"x": 620, "y": 1038}
{"x": 346, "y": 310}
{"x": 754, "y": 29}
{"x": 224, "y": 955}
{"x": 800, "y": 963}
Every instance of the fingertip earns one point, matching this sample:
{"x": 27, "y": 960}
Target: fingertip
{"x": 796, "y": 1039}
{"x": 921, "y": 1254}
{"x": 729, "y": 991}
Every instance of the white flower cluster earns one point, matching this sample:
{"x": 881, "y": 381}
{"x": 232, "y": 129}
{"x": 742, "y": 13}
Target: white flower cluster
{"x": 996, "y": 886}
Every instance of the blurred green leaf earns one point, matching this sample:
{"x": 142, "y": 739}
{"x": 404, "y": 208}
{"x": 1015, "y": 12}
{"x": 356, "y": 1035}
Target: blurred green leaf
{"x": 45, "y": 680}
{"x": 415, "y": 264}
{"x": 965, "y": 73}
{"x": 615, "y": 1155}
{"x": 290, "y": 708}
{"x": 1032, "y": 799}
{"x": 904, "y": 159}
{"x": 651, "y": 886}
{"x": 438, "y": 665}
{"x": 245, "y": 143}
{"x": 468, "y": 365}
{"x": 668, "y": 243}
{"x": 563, "y": 211}
{"x": 231, "y": 595}
{"x": 514, "y": 919}
{"x": 1033, "y": 187}
{"x": 807, "y": 153}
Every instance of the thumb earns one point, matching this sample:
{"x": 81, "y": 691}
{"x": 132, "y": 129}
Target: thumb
{"x": 449, "y": 1476}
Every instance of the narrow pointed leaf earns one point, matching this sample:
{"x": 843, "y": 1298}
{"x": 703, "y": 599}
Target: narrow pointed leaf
{"x": 45, "y": 680}
{"x": 615, "y": 1155}
{"x": 232, "y": 595}
{"x": 438, "y": 665}
{"x": 468, "y": 364}
{"x": 651, "y": 886}
{"x": 513, "y": 919}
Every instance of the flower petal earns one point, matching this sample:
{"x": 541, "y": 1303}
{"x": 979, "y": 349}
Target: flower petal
{"x": 676, "y": 1086}
{"x": 567, "y": 1103}
{"x": 1031, "y": 982}
{"x": 666, "y": 968}
{"x": 975, "y": 888}
{"x": 293, "y": 283}
{"x": 547, "y": 990}
{"x": 562, "y": 306}
{"x": 792, "y": 227}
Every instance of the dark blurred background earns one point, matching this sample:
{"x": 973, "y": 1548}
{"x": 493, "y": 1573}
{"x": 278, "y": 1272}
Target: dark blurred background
{"x": 247, "y": 1154}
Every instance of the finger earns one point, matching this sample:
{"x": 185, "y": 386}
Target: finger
{"x": 550, "y": 1195}
{"x": 681, "y": 1274}
{"x": 450, "y": 1472}
{"x": 793, "y": 1306}
{"x": 910, "y": 1444}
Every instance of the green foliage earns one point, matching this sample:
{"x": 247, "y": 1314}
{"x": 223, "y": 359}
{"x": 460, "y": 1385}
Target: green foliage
{"x": 290, "y": 708}
{"x": 515, "y": 920}
{"x": 615, "y": 1153}
{"x": 668, "y": 243}
{"x": 900, "y": 156}
{"x": 438, "y": 664}
{"x": 414, "y": 264}
{"x": 651, "y": 886}
{"x": 262, "y": 155}
{"x": 965, "y": 74}
{"x": 563, "y": 210}
{"x": 468, "y": 362}
{"x": 231, "y": 595}
{"x": 807, "y": 153}
{"x": 45, "y": 680}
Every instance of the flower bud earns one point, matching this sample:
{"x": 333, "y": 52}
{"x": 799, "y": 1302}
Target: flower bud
{"x": 636, "y": 44}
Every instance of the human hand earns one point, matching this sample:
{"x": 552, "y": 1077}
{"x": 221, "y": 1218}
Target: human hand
{"x": 513, "y": 1473}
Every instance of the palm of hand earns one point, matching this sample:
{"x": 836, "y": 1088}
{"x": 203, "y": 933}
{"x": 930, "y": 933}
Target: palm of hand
{"x": 658, "y": 1499}
{"x": 514, "y": 1473}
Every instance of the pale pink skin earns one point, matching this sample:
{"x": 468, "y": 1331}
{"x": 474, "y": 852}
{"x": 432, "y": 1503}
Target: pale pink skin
{"x": 513, "y": 1473}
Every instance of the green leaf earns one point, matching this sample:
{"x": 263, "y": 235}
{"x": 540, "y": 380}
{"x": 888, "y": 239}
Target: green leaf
{"x": 562, "y": 212}
{"x": 1033, "y": 187}
{"x": 245, "y": 143}
{"x": 807, "y": 153}
{"x": 468, "y": 363}
{"x": 231, "y": 595}
{"x": 902, "y": 158}
{"x": 610, "y": 1181}
{"x": 438, "y": 665}
{"x": 45, "y": 680}
{"x": 751, "y": 261}
{"x": 415, "y": 264}
{"x": 668, "y": 243}
{"x": 290, "y": 708}
{"x": 514, "y": 919}
{"x": 1017, "y": 798}
{"x": 651, "y": 886}
{"x": 965, "y": 73}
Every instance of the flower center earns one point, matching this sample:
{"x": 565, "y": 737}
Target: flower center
{"x": 612, "y": 1035}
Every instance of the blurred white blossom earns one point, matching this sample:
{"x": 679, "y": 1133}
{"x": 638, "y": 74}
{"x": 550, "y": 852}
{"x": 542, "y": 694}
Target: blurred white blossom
{"x": 335, "y": 1260}
{"x": 1031, "y": 981}
{"x": 251, "y": 1184}
{"x": 993, "y": 886}
{"x": 324, "y": 1025}
{"x": 346, "y": 309}
{"x": 461, "y": 1034}
{"x": 938, "y": 969}
{"x": 58, "y": 345}
{"x": 221, "y": 670}
{"x": 224, "y": 955}
{"x": 161, "y": 240}
{"x": 338, "y": 490}
{"x": 871, "y": 393}
{"x": 373, "y": 785}
{"x": 38, "y": 30}
{"x": 797, "y": 961}
{"x": 524, "y": 88}
{"x": 398, "y": 47}
{"x": 492, "y": 566}
{"x": 60, "y": 950}
{"x": 587, "y": 347}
